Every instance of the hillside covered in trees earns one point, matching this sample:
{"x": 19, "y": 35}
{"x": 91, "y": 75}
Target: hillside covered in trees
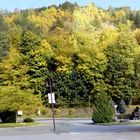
{"x": 86, "y": 51}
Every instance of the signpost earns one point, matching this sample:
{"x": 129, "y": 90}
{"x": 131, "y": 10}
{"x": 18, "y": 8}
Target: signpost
{"x": 51, "y": 98}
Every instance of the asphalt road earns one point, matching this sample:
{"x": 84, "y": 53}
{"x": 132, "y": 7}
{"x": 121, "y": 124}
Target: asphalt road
{"x": 71, "y": 129}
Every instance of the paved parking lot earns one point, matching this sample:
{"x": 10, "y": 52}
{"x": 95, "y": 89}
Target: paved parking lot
{"x": 69, "y": 129}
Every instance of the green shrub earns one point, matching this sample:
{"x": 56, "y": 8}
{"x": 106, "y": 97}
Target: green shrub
{"x": 8, "y": 116}
{"x": 104, "y": 112}
{"x": 28, "y": 119}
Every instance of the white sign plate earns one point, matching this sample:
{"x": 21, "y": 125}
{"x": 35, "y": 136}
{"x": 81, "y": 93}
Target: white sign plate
{"x": 51, "y": 98}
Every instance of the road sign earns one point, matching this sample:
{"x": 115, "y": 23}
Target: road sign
{"x": 51, "y": 98}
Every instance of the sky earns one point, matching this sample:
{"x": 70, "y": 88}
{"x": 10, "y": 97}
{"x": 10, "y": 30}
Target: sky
{"x": 11, "y": 5}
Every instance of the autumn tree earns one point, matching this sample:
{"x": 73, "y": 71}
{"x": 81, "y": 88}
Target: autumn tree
{"x": 120, "y": 68}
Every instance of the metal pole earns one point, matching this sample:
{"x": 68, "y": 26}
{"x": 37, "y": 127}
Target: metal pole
{"x": 52, "y": 105}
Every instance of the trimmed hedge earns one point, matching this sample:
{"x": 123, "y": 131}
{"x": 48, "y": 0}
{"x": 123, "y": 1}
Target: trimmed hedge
{"x": 8, "y": 116}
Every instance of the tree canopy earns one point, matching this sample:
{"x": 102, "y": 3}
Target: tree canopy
{"x": 85, "y": 50}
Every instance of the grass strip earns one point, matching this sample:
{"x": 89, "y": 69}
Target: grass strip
{"x": 10, "y": 125}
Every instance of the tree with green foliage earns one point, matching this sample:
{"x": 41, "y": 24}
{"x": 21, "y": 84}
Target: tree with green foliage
{"x": 13, "y": 99}
{"x": 29, "y": 42}
{"x": 4, "y": 46}
{"x": 39, "y": 66}
{"x": 137, "y": 35}
{"x": 14, "y": 36}
{"x": 137, "y": 19}
{"x": 3, "y": 25}
{"x": 89, "y": 63}
{"x": 13, "y": 70}
{"x": 120, "y": 70}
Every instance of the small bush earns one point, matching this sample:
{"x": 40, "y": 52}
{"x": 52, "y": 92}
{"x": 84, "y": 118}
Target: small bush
{"x": 103, "y": 113}
{"x": 28, "y": 120}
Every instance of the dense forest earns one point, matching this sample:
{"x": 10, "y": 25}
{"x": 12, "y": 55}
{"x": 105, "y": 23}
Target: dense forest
{"x": 84, "y": 50}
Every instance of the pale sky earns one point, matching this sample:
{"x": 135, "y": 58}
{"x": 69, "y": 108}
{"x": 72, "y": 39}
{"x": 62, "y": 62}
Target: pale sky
{"x": 24, "y": 4}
